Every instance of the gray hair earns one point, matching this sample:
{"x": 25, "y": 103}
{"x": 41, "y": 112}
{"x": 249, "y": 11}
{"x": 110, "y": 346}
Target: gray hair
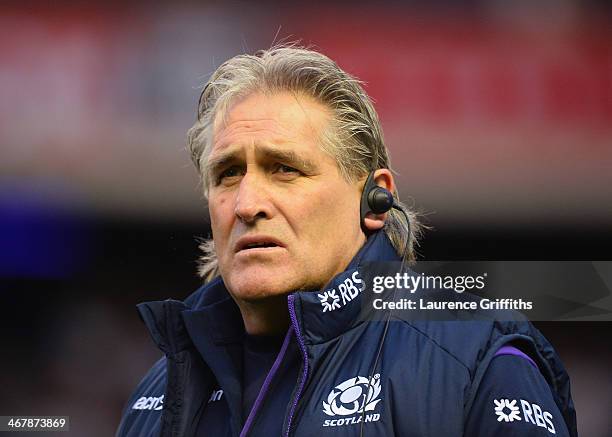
{"x": 355, "y": 137}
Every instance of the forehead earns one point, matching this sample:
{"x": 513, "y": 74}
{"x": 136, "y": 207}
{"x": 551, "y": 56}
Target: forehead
{"x": 281, "y": 118}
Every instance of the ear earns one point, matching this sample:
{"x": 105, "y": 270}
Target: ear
{"x": 383, "y": 178}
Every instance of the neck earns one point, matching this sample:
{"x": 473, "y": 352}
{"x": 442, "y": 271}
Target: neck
{"x": 267, "y": 317}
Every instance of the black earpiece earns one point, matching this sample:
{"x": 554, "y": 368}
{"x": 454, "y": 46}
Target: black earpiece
{"x": 374, "y": 199}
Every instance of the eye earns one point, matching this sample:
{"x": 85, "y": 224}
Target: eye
{"x": 285, "y": 169}
{"x": 229, "y": 174}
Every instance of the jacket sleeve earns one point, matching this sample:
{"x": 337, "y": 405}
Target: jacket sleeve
{"x": 141, "y": 415}
{"x": 514, "y": 400}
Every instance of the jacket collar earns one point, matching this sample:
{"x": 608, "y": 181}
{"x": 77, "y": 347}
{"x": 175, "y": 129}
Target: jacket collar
{"x": 322, "y": 314}
{"x": 215, "y": 326}
{"x": 340, "y": 305}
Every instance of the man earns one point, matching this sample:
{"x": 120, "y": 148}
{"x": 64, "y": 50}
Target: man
{"x": 285, "y": 142}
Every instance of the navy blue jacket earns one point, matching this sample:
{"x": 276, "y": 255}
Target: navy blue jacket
{"x": 432, "y": 378}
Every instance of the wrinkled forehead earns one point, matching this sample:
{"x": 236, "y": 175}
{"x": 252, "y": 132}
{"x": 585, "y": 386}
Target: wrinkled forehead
{"x": 285, "y": 121}
{"x": 284, "y": 114}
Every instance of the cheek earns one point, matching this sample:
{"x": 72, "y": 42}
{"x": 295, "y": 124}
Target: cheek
{"x": 334, "y": 214}
{"x": 219, "y": 208}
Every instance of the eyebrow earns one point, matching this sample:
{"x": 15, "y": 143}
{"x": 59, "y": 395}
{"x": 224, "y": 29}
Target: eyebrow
{"x": 288, "y": 157}
{"x": 214, "y": 163}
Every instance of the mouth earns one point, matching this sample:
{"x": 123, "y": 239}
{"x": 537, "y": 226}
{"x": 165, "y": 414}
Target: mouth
{"x": 257, "y": 243}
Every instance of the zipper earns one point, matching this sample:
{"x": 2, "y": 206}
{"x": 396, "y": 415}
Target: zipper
{"x": 263, "y": 391}
{"x": 302, "y": 346}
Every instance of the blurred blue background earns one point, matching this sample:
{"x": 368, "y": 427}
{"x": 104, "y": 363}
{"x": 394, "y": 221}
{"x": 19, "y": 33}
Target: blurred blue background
{"x": 498, "y": 116}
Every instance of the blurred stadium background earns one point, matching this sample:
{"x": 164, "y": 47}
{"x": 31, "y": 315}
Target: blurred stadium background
{"x": 498, "y": 116}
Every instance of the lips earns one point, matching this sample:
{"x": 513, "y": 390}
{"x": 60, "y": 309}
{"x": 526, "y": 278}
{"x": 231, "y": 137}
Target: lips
{"x": 257, "y": 242}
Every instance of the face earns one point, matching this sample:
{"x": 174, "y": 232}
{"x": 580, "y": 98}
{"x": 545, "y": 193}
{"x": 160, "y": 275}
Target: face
{"x": 283, "y": 217}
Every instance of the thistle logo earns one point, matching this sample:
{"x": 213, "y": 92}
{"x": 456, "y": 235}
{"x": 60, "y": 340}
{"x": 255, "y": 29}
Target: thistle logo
{"x": 353, "y": 397}
{"x": 505, "y": 404}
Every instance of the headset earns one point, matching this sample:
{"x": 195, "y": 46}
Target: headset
{"x": 374, "y": 199}
{"x": 379, "y": 200}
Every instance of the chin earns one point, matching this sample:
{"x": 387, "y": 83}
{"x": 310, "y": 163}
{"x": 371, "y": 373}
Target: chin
{"x": 254, "y": 287}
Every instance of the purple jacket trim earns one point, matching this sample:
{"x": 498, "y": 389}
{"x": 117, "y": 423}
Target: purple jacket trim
{"x": 511, "y": 350}
{"x": 266, "y": 384}
{"x": 298, "y": 335}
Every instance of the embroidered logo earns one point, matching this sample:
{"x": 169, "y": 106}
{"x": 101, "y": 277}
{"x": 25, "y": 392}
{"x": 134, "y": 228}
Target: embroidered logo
{"x": 149, "y": 403}
{"x": 215, "y": 396}
{"x": 347, "y": 291}
{"x": 507, "y": 410}
{"x": 329, "y": 300}
{"x": 353, "y": 397}
{"x": 504, "y": 405}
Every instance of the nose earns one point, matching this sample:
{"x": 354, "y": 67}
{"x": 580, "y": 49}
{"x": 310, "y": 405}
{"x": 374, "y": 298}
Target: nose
{"x": 252, "y": 201}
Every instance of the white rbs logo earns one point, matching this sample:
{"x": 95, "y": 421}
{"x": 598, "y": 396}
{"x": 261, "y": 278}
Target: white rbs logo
{"x": 353, "y": 397}
{"x": 508, "y": 411}
{"x": 347, "y": 291}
